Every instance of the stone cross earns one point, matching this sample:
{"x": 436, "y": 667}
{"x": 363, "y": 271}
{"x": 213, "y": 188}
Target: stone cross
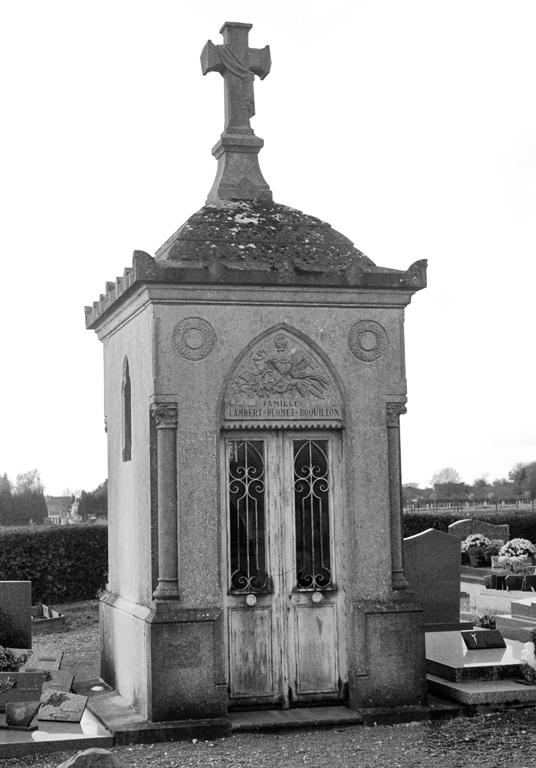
{"x": 239, "y": 176}
{"x": 238, "y": 64}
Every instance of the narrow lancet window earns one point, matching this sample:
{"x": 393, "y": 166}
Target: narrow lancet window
{"x": 127, "y": 412}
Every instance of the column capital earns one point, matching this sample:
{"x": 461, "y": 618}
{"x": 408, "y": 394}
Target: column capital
{"x": 393, "y": 413}
{"x": 165, "y": 415}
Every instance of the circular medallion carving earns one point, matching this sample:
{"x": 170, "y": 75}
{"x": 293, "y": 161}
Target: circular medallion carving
{"x": 367, "y": 340}
{"x": 194, "y": 338}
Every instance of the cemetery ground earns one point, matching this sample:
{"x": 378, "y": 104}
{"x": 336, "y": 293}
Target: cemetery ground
{"x": 487, "y": 740}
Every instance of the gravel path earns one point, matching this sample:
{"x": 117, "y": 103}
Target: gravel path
{"x": 484, "y": 741}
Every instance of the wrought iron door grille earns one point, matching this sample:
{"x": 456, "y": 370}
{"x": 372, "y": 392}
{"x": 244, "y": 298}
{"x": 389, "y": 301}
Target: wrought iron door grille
{"x": 311, "y": 509}
{"x": 247, "y": 495}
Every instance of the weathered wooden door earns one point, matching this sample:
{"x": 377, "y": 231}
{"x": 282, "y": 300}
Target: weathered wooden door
{"x": 284, "y": 551}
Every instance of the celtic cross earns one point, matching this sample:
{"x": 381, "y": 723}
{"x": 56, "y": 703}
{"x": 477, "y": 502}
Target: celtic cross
{"x": 239, "y": 175}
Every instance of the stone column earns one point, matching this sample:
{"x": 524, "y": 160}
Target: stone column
{"x": 165, "y": 416}
{"x": 394, "y": 411}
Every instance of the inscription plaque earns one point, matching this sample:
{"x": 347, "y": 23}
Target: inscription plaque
{"x": 20, "y": 686}
{"x": 282, "y": 382}
{"x": 61, "y": 706}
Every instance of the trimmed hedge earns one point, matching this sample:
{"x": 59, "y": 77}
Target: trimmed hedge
{"x": 64, "y": 563}
{"x": 522, "y": 522}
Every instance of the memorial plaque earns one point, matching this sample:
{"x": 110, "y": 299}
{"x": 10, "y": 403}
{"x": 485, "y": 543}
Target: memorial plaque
{"x": 483, "y": 638}
{"x": 20, "y": 686}
{"x": 43, "y": 661}
{"x": 62, "y": 707}
{"x": 281, "y": 382}
{"x": 57, "y": 680}
{"x": 19, "y": 715}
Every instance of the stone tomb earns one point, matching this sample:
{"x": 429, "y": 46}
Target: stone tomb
{"x": 483, "y": 676}
{"x": 432, "y": 568}
{"x": 16, "y": 614}
{"x": 254, "y": 380}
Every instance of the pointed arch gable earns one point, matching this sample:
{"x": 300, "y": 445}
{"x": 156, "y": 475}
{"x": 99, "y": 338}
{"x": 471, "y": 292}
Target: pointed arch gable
{"x": 282, "y": 379}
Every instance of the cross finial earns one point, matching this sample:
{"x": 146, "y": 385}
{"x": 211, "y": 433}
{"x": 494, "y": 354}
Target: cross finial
{"x": 239, "y": 175}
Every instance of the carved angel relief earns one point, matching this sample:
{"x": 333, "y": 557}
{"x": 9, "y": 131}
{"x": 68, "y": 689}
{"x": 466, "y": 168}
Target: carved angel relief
{"x": 281, "y": 382}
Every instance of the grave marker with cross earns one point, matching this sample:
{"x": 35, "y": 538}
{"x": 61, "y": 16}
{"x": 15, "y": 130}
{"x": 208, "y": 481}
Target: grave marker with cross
{"x": 239, "y": 175}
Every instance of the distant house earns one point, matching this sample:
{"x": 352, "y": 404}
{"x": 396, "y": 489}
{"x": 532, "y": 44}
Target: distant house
{"x": 58, "y": 508}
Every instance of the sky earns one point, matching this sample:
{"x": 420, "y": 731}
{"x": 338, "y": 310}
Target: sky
{"x": 408, "y": 125}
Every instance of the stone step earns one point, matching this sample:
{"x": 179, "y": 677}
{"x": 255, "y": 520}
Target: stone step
{"x": 291, "y": 719}
{"x": 482, "y": 692}
{"x": 318, "y": 717}
{"x": 515, "y": 628}
{"x": 525, "y": 607}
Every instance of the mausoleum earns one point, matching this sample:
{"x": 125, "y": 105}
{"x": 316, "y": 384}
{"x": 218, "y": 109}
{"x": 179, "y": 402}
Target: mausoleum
{"x": 254, "y": 380}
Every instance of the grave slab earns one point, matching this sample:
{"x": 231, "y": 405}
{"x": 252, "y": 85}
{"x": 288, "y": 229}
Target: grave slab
{"x": 19, "y": 686}
{"x": 43, "y": 661}
{"x": 61, "y": 706}
{"x": 447, "y": 656}
{"x": 45, "y": 619}
{"x": 57, "y": 680}
{"x": 54, "y": 737}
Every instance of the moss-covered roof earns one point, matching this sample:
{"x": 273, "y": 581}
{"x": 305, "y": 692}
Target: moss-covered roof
{"x": 261, "y": 235}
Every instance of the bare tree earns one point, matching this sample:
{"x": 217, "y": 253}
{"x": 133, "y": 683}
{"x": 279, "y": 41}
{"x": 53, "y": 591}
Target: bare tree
{"x": 446, "y": 475}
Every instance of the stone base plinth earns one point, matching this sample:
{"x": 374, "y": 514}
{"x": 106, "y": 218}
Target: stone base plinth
{"x": 388, "y": 667}
{"x": 164, "y": 661}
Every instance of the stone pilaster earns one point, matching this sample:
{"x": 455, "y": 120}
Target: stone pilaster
{"x": 394, "y": 411}
{"x": 165, "y": 416}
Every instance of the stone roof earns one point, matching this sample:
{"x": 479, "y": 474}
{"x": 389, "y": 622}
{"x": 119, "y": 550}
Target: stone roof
{"x": 261, "y": 235}
{"x": 256, "y": 242}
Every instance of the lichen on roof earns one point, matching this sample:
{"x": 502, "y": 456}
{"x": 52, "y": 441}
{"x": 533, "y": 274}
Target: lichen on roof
{"x": 261, "y": 234}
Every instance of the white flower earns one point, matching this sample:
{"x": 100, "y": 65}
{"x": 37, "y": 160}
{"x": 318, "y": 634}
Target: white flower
{"x": 517, "y": 548}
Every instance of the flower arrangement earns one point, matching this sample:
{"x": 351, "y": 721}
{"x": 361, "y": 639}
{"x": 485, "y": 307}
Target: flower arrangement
{"x": 494, "y": 547}
{"x": 517, "y": 548}
{"x": 474, "y": 540}
{"x": 487, "y": 622}
{"x": 9, "y": 662}
{"x": 514, "y": 564}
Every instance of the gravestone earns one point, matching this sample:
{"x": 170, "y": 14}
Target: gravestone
{"x": 432, "y": 568}
{"x": 254, "y": 381}
{"x": 464, "y": 528}
{"x": 43, "y": 661}
{"x": 20, "y": 686}
{"x": 57, "y": 680}
{"x": 20, "y": 714}
{"x": 16, "y": 614}
{"x": 61, "y": 706}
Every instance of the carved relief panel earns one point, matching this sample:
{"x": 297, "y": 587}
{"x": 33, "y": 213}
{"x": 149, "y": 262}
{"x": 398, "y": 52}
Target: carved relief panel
{"x": 282, "y": 382}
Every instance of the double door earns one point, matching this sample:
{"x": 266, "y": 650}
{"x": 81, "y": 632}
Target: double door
{"x": 284, "y": 555}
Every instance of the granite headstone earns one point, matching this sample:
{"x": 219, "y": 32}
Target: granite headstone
{"x": 16, "y": 614}
{"x": 432, "y": 568}
{"x": 463, "y": 528}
